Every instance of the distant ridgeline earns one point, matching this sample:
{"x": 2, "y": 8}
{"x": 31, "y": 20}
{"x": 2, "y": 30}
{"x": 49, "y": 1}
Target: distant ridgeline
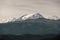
{"x": 33, "y": 24}
{"x": 40, "y": 26}
{"x": 27, "y": 17}
{"x": 30, "y": 16}
{"x": 30, "y": 29}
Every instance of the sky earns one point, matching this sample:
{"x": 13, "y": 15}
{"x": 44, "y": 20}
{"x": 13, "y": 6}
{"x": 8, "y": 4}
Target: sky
{"x": 17, "y": 8}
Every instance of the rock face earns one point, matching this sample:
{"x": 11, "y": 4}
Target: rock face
{"x": 30, "y": 16}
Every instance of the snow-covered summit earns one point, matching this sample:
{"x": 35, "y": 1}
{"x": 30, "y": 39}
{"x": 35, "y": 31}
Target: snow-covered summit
{"x": 27, "y": 16}
{"x": 30, "y": 16}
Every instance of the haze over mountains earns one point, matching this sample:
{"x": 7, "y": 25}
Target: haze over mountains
{"x": 20, "y": 17}
{"x": 25, "y": 17}
{"x": 30, "y": 16}
{"x": 33, "y": 26}
{"x": 17, "y": 8}
{"x": 38, "y": 25}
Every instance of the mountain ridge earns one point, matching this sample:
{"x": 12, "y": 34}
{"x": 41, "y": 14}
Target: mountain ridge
{"x": 26, "y": 17}
{"x": 31, "y": 26}
{"x": 30, "y": 16}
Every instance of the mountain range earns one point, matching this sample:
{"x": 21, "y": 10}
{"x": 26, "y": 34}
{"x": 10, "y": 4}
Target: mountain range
{"x": 31, "y": 25}
{"x": 39, "y": 25}
{"x": 25, "y": 17}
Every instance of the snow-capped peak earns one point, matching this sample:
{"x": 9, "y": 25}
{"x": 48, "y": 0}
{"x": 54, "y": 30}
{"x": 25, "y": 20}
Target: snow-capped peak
{"x": 30, "y": 16}
{"x": 27, "y": 16}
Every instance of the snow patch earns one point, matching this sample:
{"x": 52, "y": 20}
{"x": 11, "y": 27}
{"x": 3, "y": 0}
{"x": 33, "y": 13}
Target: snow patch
{"x": 30, "y": 16}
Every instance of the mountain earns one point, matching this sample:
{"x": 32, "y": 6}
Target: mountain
{"x": 26, "y": 17}
{"x": 22, "y": 18}
{"x": 30, "y": 26}
{"x": 34, "y": 16}
{"x": 30, "y": 16}
{"x": 39, "y": 26}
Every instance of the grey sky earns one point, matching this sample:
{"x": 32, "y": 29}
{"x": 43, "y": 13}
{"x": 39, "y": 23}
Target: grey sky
{"x": 16, "y": 8}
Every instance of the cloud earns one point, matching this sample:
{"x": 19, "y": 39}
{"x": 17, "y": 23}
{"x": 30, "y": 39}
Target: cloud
{"x": 16, "y": 8}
